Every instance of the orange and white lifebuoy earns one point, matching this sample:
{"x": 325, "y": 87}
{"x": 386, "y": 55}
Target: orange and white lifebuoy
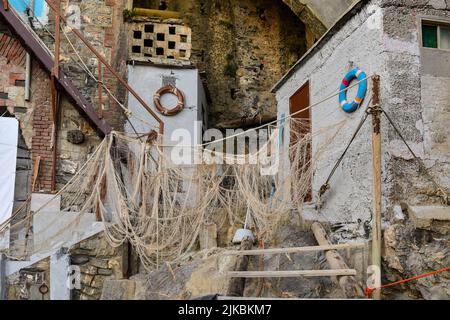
{"x": 173, "y": 90}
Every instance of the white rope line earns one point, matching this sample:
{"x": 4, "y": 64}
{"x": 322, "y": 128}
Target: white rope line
{"x": 272, "y": 122}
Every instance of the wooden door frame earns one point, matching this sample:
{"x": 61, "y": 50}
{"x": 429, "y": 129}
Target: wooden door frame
{"x": 309, "y": 196}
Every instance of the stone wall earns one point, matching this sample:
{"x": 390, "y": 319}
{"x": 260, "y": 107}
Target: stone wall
{"x": 98, "y": 262}
{"x": 417, "y": 96}
{"x": 101, "y": 24}
{"x": 29, "y": 283}
{"x": 387, "y": 37}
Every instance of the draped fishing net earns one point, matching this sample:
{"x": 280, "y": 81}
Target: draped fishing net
{"x": 141, "y": 196}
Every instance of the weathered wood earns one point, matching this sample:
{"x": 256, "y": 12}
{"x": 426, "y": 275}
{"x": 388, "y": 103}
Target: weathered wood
{"x": 291, "y": 273}
{"x": 348, "y": 283}
{"x": 236, "y": 286}
{"x": 376, "y": 165}
{"x": 293, "y": 249}
{"x": 35, "y": 172}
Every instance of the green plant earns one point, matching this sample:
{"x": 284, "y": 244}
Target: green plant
{"x": 129, "y": 15}
{"x": 231, "y": 67}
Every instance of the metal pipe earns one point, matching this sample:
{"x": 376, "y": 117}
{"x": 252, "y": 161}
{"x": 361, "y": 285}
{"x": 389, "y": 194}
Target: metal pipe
{"x": 27, "y": 77}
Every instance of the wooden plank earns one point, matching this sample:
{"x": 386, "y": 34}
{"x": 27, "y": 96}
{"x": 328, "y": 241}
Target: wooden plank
{"x": 37, "y": 164}
{"x": 294, "y": 249}
{"x": 291, "y": 273}
{"x": 348, "y": 284}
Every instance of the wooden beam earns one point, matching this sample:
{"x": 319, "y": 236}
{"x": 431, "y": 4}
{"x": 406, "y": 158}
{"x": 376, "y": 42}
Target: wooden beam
{"x": 166, "y": 14}
{"x": 294, "y": 249}
{"x": 37, "y": 164}
{"x": 348, "y": 283}
{"x": 291, "y": 273}
{"x": 35, "y": 46}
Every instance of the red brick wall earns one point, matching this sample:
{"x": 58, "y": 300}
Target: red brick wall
{"x": 12, "y": 62}
{"x": 42, "y": 127}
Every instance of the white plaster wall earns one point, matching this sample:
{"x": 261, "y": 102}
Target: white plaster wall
{"x": 146, "y": 80}
{"x": 359, "y": 43}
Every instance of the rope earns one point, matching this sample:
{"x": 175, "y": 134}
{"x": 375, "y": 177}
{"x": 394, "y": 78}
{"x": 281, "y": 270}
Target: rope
{"x": 326, "y": 185}
{"x": 369, "y": 291}
{"x": 275, "y": 122}
{"x": 439, "y": 189}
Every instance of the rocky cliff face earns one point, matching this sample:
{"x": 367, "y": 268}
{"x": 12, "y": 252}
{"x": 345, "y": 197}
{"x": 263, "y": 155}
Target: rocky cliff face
{"x": 241, "y": 48}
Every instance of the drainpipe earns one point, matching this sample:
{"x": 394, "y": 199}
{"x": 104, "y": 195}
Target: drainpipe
{"x": 27, "y": 77}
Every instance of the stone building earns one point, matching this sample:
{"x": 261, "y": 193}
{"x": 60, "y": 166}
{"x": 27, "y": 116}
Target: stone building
{"x": 223, "y": 55}
{"x": 406, "y": 43}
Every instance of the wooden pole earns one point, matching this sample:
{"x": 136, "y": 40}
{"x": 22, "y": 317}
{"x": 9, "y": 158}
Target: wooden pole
{"x": 348, "y": 283}
{"x": 258, "y": 252}
{"x": 291, "y": 273}
{"x": 237, "y": 285}
{"x": 376, "y": 162}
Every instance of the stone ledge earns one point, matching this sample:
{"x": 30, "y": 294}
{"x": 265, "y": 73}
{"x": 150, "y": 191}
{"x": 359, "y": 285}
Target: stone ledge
{"x": 430, "y": 217}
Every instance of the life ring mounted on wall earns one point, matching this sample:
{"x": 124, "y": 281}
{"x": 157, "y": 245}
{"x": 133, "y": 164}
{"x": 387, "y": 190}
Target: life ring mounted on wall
{"x": 353, "y": 105}
{"x": 173, "y": 90}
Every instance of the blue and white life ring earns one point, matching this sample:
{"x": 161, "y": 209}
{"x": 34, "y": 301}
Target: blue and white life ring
{"x": 353, "y": 105}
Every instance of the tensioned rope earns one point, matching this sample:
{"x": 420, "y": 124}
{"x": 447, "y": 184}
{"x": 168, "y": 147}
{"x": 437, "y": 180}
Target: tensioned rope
{"x": 274, "y": 121}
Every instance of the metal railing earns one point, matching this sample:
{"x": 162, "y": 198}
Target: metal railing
{"x": 102, "y": 62}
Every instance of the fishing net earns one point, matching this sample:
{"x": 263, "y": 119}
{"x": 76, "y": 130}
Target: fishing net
{"x": 141, "y": 196}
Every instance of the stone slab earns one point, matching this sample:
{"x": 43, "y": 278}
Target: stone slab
{"x": 424, "y": 217}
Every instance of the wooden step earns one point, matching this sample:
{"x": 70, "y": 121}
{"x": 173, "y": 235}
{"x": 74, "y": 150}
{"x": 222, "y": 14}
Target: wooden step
{"x": 291, "y": 273}
{"x": 294, "y": 249}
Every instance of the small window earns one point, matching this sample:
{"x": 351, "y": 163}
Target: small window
{"x": 136, "y": 49}
{"x": 160, "y": 36}
{"x": 148, "y": 43}
{"x": 137, "y": 34}
{"x": 160, "y": 51}
{"x": 149, "y": 28}
{"x": 435, "y": 36}
{"x": 172, "y": 44}
{"x": 183, "y": 38}
{"x": 172, "y": 30}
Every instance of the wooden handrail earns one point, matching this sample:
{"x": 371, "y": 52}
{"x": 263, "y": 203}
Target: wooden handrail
{"x": 110, "y": 68}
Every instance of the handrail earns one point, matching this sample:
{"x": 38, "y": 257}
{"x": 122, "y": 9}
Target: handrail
{"x": 108, "y": 66}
